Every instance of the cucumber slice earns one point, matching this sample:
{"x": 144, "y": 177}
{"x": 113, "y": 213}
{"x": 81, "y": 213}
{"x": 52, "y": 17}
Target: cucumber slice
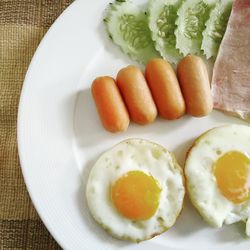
{"x": 127, "y": 25}
{"x": 162, "y": 18}
{"x": 216, "y": 27}
{"x": 192, "y": 17}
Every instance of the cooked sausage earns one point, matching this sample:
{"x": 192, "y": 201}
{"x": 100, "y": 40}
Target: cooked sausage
{"x": 165, "y": 89}
{"x": 136, "y": 94}
{"x": 194, "y": 82}
{"x": 110, "y": 105}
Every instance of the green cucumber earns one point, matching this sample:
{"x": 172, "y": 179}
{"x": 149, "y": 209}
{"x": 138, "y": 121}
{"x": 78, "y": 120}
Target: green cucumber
{"x": 216, "y": 27}
{"x": 127, "y": 25}
{"x": 162, "y": 18}
{"x": 192, "y": 17}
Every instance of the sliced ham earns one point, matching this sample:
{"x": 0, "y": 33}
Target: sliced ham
{"x": 231, "y": 74}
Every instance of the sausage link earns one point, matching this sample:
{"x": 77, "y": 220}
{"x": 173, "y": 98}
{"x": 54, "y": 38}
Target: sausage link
{"x": 195, "y": 85}
{"x": 136, "y": 94}
{"x": 165, "y": 89}
{"x": 110, "y": 105}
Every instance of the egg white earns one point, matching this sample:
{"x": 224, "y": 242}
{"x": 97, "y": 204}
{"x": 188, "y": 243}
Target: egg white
{"x": 201, "y": 182}
{"x": 135, "y": 155}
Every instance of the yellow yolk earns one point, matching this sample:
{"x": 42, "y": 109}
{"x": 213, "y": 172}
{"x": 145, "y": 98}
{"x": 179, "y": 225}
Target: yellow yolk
{"x": 232, "y": 172}
{"x": 136, "y": 195}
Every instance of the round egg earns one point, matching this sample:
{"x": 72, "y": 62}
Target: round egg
{"x": 135, "y": 190}
{"x": 217, "y": 171}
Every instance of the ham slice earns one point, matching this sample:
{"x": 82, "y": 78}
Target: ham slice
{"x": 231, "y": 74}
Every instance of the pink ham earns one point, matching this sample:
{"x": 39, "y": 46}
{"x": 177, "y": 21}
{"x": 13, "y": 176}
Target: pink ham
{"x": 231, "y": 74}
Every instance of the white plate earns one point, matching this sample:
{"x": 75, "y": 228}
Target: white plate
{"x": 60, "y": 137}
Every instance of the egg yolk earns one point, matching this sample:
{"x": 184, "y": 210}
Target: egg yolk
{"x": 136, "y": 195}
{"x": 232, "y": 172}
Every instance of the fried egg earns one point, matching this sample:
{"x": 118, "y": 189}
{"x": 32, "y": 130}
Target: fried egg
{"x": 135, "y": 190}
{"x": 217, "y": 171}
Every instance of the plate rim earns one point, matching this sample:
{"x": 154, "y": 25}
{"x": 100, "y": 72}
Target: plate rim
{"x": 20, "y": 113}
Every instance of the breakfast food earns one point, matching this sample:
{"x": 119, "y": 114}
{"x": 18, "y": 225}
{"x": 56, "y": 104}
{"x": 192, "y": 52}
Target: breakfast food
{"x": 231, "y": 74}
{"x": 161, "y": 22}
{"x": 159, "y": 92}
{"x": 135, "y": 190}
{"x": 127, "y": 26}
{"x": 136, "y": 94}
{"x": 194, "y": 81}
{"x": 109, "y": 103}
{"x": 216, "y": 27}
{"x": 165, "y": 89}
{"x": 217, "y": 171}
{"x": 192, "y": 17}
{"x": 175, "y": 28}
